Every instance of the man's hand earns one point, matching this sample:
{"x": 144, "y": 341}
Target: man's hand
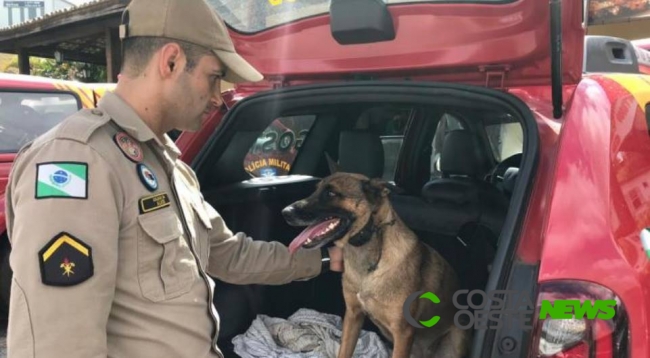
{"x": 336, "y": 259}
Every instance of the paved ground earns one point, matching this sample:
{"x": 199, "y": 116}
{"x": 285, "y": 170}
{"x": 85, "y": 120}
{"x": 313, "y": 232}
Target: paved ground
{"x": 3, "y": 340}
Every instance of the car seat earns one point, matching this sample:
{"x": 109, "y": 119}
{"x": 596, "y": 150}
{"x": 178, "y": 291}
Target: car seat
{"x": 361, "y": 152}
{"x": 459, "y": 214}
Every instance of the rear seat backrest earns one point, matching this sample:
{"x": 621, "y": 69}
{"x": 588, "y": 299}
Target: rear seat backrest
{"x": 361, "y": 153}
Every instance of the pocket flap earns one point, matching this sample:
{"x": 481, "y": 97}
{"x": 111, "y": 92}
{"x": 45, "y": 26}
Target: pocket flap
{"x": 163, "y": 226}
{"x": 202, "y": 213}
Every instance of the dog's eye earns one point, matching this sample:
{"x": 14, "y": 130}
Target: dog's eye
{"x": 330, "y": 194}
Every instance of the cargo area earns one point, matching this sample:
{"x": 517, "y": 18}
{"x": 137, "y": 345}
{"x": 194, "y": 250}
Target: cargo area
{"x": 461, "y": 156}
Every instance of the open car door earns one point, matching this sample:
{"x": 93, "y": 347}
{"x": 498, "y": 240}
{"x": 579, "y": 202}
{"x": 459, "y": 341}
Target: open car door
{"x": 485, "y": 42}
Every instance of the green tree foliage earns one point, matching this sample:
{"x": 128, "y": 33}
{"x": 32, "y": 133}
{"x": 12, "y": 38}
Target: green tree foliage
{"x": 68, "y": 70}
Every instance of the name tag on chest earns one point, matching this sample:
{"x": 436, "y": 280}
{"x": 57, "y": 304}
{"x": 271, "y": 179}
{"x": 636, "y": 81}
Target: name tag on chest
{"x": 153, "y": 202}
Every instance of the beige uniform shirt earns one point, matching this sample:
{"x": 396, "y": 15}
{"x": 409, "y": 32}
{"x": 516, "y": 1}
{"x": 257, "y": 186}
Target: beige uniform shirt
{"x": 111, "y": 241}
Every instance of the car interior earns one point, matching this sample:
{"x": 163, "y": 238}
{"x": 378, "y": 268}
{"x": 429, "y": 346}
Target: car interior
{"x": 455, "y": 168}
{"x": 26, "y": 115}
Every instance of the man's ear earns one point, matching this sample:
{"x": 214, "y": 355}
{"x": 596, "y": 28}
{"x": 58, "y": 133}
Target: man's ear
{"x": 170, "y": 58}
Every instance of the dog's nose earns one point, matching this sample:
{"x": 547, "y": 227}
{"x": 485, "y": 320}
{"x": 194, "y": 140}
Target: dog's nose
{"x": 288, "y": 211}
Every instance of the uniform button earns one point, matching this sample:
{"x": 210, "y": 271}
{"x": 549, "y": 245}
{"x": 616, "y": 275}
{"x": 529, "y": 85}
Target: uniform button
{"x": 96, "y": 112}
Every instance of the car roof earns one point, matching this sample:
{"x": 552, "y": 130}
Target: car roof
{"x": 19, "y": 81}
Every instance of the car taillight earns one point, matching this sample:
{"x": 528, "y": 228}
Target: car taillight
{"x": 580, "y": 337}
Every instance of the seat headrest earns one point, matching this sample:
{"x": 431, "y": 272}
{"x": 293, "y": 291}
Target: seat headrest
{"x": 461, "y": 155}
{"x": 510, "y": 179}
{"x": 361, "y": 153}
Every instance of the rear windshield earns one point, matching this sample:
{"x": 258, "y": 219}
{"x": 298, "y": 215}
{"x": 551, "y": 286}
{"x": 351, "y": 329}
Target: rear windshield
{"x": 26, "y": 115}
{"x": 256, "y": 15}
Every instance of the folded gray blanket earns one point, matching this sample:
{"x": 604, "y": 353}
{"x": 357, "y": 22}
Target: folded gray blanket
{"x": 306, "y": 334}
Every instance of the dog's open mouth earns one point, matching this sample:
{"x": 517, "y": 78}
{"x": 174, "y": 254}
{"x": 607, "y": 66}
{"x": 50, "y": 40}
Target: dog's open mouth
{"x": 320, "y": 233}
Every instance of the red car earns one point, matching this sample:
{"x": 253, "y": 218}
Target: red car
{"x": 520, "y": 144}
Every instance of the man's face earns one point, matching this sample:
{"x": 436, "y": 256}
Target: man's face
{"x": 196, "y": 94}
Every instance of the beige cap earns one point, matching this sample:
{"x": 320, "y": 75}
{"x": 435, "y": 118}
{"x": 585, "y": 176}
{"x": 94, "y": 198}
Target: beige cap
{"x": 192, "y": 21}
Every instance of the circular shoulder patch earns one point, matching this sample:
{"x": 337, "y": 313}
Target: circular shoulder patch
{"x": 129, "y": 147}
{"x": 147, "y": 177}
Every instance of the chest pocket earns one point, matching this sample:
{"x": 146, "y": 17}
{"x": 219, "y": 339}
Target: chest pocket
{"x": 166, "y": 266}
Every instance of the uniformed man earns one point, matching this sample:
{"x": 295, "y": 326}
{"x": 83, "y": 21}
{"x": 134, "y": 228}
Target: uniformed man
{"x": 112, "y": 242}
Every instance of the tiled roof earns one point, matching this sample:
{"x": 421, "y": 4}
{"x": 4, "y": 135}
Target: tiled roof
{"x": 60, "y": 16}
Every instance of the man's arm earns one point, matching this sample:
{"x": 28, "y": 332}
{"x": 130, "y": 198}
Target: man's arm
{"x": 64, "y": 204}
{"x": 238, "y": 259}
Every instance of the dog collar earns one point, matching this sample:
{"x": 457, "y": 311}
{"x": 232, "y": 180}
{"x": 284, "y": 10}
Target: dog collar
{"x": 363, "y": 236}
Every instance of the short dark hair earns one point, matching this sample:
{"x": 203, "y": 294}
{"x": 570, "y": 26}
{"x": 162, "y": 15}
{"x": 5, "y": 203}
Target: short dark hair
{"x": 137, "y": 52}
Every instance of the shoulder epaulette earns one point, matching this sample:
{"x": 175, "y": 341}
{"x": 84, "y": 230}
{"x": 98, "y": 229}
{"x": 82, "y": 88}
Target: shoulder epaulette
{"x": 81, "y": 126}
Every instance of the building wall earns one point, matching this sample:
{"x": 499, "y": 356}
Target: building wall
{"x": 635, "y": 29}
{"x": 12, "y": 14}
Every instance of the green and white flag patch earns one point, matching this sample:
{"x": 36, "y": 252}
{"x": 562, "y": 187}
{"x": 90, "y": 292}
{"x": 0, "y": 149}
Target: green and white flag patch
{"x": 62, "y": 180}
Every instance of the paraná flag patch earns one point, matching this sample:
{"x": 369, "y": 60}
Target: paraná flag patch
{"x": 62, "y": 180}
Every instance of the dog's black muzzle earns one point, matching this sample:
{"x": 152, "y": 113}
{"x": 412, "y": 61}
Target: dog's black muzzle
{"x": 296, "y": 214}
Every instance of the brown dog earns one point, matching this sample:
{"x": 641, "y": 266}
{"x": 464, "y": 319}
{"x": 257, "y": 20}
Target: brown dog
{"x": 384, "y": 262}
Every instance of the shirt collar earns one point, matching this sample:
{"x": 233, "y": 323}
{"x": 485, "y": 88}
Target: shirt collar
{"x": 126, "y": 117}
{"x": 171, "y": 147}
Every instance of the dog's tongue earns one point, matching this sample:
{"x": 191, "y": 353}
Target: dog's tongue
{"x": 309, "y": 233}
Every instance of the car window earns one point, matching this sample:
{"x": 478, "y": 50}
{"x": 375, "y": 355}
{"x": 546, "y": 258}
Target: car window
{"x": 275, "y": 150}
{"x": 446, "y": 124}
{"x": 256, "y": 15}
{"x": 506, "y": 139}
{"x": 26, "y": 115}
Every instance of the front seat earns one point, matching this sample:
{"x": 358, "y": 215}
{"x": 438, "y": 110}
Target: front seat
{"x": 462, "y": 190}
{"x": 475, "y": 210}
{"x": 459, "y": 215}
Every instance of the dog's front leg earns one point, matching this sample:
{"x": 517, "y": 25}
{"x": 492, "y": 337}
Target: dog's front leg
{"x": 403, "y": 335}
{"x": 352, "y": 322}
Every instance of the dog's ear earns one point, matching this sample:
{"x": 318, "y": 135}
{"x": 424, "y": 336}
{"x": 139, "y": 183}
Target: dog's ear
{"x": 333, "y": 166}
{"x": 394, "y": 188}
{"x": 378, "y": 188}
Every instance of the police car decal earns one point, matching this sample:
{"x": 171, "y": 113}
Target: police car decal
{"x": 147, "y": 177}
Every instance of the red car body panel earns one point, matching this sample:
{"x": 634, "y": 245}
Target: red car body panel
{"x": 6, "y": 160}
{"x": 589, "y": 232}
{"x": 454, "y": 41}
